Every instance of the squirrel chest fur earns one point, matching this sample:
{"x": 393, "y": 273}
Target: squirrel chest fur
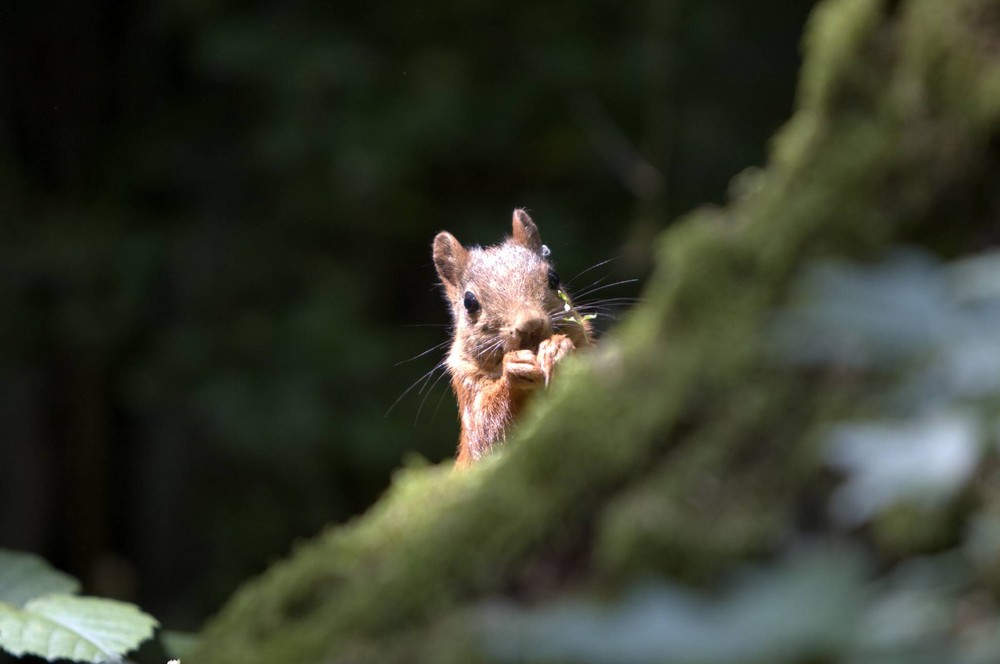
{"x": 512, "y": 324}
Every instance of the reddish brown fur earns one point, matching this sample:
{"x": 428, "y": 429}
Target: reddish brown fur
{"x": 506, "y": 349}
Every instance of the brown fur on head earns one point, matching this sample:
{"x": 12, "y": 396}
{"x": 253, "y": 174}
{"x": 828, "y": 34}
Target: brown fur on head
{"x": 503, "y": 297}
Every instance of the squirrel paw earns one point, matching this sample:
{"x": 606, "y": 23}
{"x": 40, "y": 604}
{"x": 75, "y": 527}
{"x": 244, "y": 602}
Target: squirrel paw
{"x": 551, "y": 351}
{"x": 521, "y": 369}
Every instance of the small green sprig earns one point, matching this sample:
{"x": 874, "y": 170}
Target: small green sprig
{"x": 571, "y": 313}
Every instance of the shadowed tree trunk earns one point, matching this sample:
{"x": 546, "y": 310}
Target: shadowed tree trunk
{"x": 680, "y": 449}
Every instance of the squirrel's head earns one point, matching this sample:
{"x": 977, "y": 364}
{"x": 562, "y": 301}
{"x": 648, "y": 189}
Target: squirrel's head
{"x": 504, "y": 297}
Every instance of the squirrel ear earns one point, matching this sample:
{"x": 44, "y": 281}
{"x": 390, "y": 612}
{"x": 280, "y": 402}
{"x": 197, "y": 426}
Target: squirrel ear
{"x": 526, "y": 232}
{"x": 450, "y": 258}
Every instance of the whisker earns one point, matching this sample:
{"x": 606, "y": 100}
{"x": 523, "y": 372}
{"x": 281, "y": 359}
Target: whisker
{"x": 616, "y": 298}
{"x": 437, "y": 407}
{"x": 615, "y": 301}
{"x": 429, "y": 350}
{"x": 483, "y": 350}
{"x": 592, "y": 267}
{"x": 586, "y": 289}
{"x": 611, "y": 285}
{"x": 420, "y": 408}
{"x": 423, "y": 379}
{"x": 491, "y": 349}
{"x": 602, "y": 310}
{"x": 430, "y": 374}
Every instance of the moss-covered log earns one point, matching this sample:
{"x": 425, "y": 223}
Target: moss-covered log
{"x": 680, "y": 447}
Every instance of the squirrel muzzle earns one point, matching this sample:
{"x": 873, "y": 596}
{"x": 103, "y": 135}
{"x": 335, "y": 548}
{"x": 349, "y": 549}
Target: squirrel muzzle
{"x": 529, "y": 328}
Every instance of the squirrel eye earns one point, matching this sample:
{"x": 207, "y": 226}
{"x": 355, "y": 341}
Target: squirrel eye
{"x": 471, "y": 302}
{"x": 553, "y": 279}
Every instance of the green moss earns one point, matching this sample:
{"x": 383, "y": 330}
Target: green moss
{"x": 683, "y": 419}
{"x": 839, "y": 38}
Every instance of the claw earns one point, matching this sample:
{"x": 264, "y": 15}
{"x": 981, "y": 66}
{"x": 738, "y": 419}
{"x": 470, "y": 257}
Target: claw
{"x": 551, "y": 351}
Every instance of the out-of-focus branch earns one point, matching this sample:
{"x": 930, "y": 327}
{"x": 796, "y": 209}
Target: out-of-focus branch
{"x": 644, "y": 169}
{"x": 623, "y": 159}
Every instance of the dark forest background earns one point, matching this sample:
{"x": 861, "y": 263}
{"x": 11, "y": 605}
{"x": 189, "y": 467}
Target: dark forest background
{"x": 215, "y": 221}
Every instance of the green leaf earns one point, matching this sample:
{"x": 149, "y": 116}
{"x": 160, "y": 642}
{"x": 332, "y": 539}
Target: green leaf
{"x": 24, "y": 576}
{"x": 82, "y": 629}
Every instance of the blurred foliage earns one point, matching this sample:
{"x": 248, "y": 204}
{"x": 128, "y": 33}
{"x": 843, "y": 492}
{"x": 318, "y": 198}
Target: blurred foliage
{"x": 926, "y": 332}
{"x": 216, "y": 227}
{"x": 937, "y": 326}
{"x": 767, "y": 616}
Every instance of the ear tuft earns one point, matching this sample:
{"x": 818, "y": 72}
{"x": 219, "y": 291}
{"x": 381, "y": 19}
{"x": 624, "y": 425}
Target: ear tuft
{"x": 450, "y": 259}
{"x": 526, "y": 232}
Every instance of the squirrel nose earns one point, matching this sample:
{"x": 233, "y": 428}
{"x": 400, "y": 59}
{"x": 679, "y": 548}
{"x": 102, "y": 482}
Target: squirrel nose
{"x": 530, "y": 327}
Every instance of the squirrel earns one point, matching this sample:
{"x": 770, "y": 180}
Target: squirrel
{"x": 512, "y": 324}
